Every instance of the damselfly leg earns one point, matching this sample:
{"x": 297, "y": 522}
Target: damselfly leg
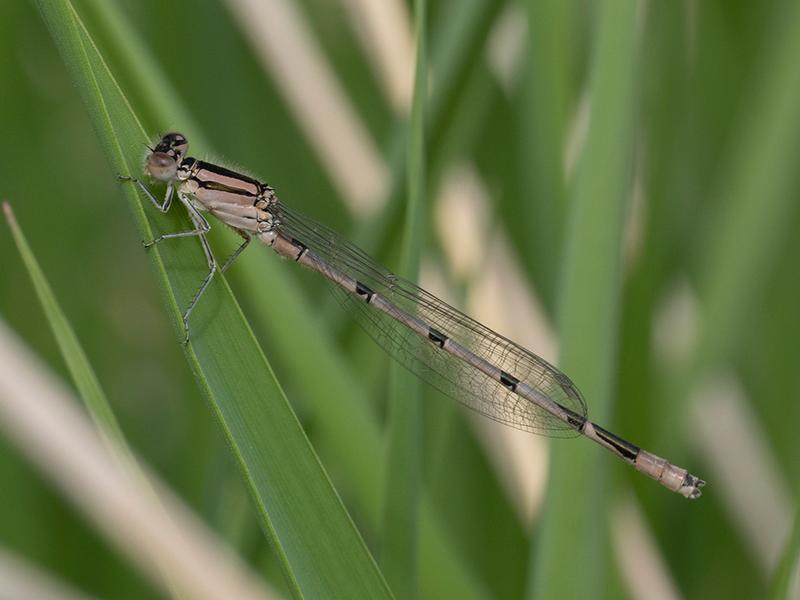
{"x": 162, "y": 206}
{"x": 238, "y": 250}
{"x": 200, "y": 230}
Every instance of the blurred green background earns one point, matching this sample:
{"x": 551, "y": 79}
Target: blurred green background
{"x": 637, "y": 161}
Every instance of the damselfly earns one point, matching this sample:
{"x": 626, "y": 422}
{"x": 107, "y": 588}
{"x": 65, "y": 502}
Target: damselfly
{"x": 464, "y": 359}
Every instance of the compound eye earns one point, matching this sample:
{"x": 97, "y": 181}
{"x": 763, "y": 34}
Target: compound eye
{"x": 176, "y": 142}
{"x": 161, "y": 166}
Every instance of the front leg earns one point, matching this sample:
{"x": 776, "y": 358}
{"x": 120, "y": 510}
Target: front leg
{"x": 162, "y": 206}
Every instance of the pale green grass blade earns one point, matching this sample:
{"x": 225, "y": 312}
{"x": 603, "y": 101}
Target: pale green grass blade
{"x": 151, "y": 91}
{"x": 754, "y": 208}
{"x": 320, "y": 550}
{"x": 348, "y": 431}
{"x": 77, "y": 362}
{"x": 404, "y": 461}
{"x": 754, "y": 225}
{"x": 546, "y": 94}
{"x": 753, "y": 194}
{"x": 454, "y": 54}
{"x": 571, "y": 556}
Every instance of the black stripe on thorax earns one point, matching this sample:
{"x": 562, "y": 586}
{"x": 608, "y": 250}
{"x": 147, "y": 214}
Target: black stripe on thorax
{"x": 365, "y": 291}
{"x": 437, "y": 337}
{"x": 509, "y": 381}
{"x": 211, "y": 167}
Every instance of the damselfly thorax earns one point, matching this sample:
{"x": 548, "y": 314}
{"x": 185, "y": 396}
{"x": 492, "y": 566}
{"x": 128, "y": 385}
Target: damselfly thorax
{"x": 234, "y": 199}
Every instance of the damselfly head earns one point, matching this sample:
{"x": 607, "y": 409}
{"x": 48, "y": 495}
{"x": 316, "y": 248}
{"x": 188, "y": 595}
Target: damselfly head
{"x": 162, "y": 163}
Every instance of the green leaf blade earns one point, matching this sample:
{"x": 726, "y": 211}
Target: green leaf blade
{"x": 320, "y": 550}
{"x": 404, "y": 460}
{"x": 78, "y": 363}
{"x": 576, "y": 498}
